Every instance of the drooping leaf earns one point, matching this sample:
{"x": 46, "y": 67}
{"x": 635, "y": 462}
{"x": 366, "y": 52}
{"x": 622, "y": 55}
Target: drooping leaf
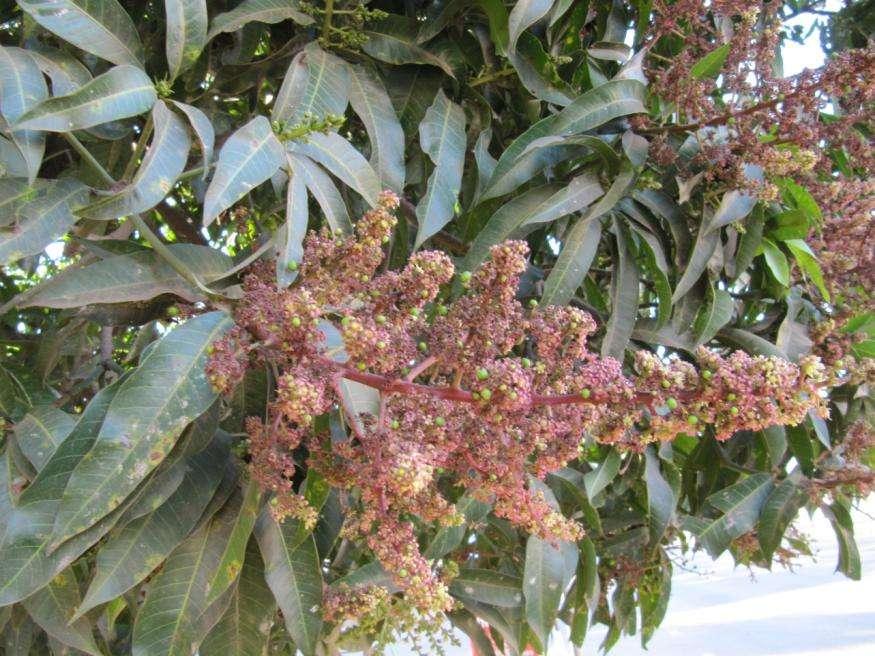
{"x": 661, "y": 499}
{"x": 322, "y": 91}
{"x": 488, "y": 587}
{"x": 148, "y": 413}
{"x": 170, "y": 620}
{"x": 26, "y": 565}
{"x": 739, "y": 504}
{"x": 775, "y": 438}
{"x": 132, "y": 552}
{"x": 203, "y": 129}
{"x": 703, "y": 249}
{"x": 442, "y": 136}
{"x": 244, "y": 629}
{"x": 624, "y": 296}
{"x": 394, "y": 41}
{"x": 40, "y": 432}
{"x": 45, "y": 218}
{"x": 450, "y": 537}
{"x": 807, "y": 261}
{"x": 163, "y": 162}
{"x": 290, "y": 239}
{"x": 125, "y": 278}
{"x": 260, "y": 11}
{"x": 714, "y": 315}
{"x": 186, "y": 33}
{"x": 228, "y": 567}
{"x": 22, "y": 87}
{"x": 849, "y": 553}
{"x": 598, "y": 479}
{"x": 590, "y": 110}
{"x": 342, "y": 160}
{"x": 101, "y": 27}
{"x": 711, "y": 63}
{"x": 776, "y": 262}
{"x": 371, "y": 102}
{"x": 779, "y": 510}
{"x": 548, "y": 571}
{"x": 52, "y": 609}
{"x": 121, "y": 92}
{"x": 249, "y": 157}
{"x": 505, "y": 220}
{"x": 323, "y": 189}
{"x": 734, "y": 206}
{"x": 294, "y": 576}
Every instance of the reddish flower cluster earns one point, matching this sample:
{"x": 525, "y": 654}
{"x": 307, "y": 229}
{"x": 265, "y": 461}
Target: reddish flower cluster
{"x": 795, "y": 127}
{"x": 477, "y": 392}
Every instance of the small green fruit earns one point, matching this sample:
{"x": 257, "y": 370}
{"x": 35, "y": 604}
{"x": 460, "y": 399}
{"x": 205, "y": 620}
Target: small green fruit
{"x": 671, "y": 402}
{"x": 585, "y": 393}
{"x": 482, "y": 374}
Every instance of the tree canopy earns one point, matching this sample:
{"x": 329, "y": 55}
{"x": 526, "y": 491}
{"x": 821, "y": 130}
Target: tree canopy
{"x": 328, "y": 324}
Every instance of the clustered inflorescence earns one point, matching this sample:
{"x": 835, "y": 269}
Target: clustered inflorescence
{"x": 479, "y": 392}
{"x": 814, "y": 127}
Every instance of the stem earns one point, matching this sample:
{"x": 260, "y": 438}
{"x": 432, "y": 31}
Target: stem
{"x": 491, "y": 77}
{"x": 89, "y": 158}
{"x": 171, "y": 259}
{"x": 326, "y": 21}
{"x": 138, "y": 151}
{"x": 388, "y": 385}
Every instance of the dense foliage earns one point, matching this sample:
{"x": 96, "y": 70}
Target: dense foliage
{"x": 327, "y": 324}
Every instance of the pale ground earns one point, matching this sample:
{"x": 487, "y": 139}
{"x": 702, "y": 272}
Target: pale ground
{"x": 722, "y": 611}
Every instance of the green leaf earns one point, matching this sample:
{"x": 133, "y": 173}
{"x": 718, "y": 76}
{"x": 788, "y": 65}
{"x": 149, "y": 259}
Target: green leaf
{"x": 799, "y": 197}
{"x": 734, "y": 206}
{"x": 442, "y": 136}
{"x": 412, "y": 90}
{"x": 290, "y": 238}
{"x": 751, "y": 343}
{"x": 317, "y": 83}
{"x": 506, "y": 219}
{"x": 100, "y": 27}
{"x": 135, "y": 550}
{"x": 599, "y": 479}
{"x": 342, "y": 160}
{"x": 588, "y": 111}
{"x": 249, "y": 157}
{"x": 121, "y": 92}
{"x": 791, "y": 224}
{"x": 653, "y": 261}
{"x": 127, "y": 278}
{"x": 52, "y": 608}
{"x": 46, "y": 218}
{"x": 40, "y": 432}
{"x": 710, "y": 64}
{"x": 25, "y": 562}
{"x": 661, "y": 499}
{"x": 323, "y": 189}
{"x": 579, "y": 247}
{"x": 371, "y": 102}
{"x": 576, "y": 195}
{"x": 19, "y": 634}
{"x": 244, "y": 629}
{"x": 232, "y": 557}
{"x": 294, "y": 575}
{"x": 740, "y": 505}
{"x": 775, "y": 438}
{"x": 779, "y": 510}
{"x": 257, "y": 11}
{"x": 849, "y": 554}
{"x": 548, "y": 570}
{"x": 624, "y": 296}
{"x": 777, "y": 262}
{"x": 393, "y": 41}
{"x": 162, "y": 396}
{"x": 653, "y": 595}
{"x": 488, "y": 587}
{"x": 665, "y": 208}
{"x": 186, "y": 33}
{"x": 22, "y": 87}
{"x": 807, "y": 261}
{"x": 203, "y": 130}
{"x": 170, "y": 620}
{"x": 523, "y": 15}
{"x": 713, "y": 316}
{"x": 449, "y": 538}
{"x": 163, "y": 162}
{"x": 703, "y": 249}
